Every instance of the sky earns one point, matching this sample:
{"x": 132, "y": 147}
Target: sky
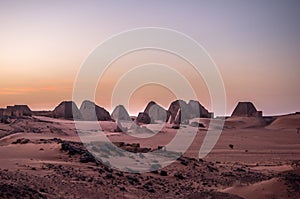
{"x": 255, "y": 45}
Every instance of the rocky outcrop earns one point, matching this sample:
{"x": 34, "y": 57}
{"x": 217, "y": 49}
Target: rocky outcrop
{"x": 120, "y": 113}
{"x": 92, "y": 112}
{"x": 246, "y": 109}
{"x": 19, "y": 191}
{"x": 67, "y": 110}
{"x": 197, "y": 124}
{"x": 156, "y": 112}
{"x": 5, "y": 120}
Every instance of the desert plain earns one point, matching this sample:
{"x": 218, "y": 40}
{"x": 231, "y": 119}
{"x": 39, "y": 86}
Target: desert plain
{"x": 43, "y": 157}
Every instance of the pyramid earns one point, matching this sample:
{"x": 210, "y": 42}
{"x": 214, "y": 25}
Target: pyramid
{"x": 246, "y": 109}
{"x": 120, "y": 113}
{"x": 92, "y": 112}
{"x": 174, "y": 108}
{"x": 16, "y": 111}
{"x": 177, "y": 119}
{"x": 67, "y": 110}
{"x": 196, "y": 110}
{"x": 23, "y": 109}
{"x": 143, "y": 118}
{"x": 155, "y": 112}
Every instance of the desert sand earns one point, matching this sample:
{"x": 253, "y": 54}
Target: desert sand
{"x": 250, "y": 160}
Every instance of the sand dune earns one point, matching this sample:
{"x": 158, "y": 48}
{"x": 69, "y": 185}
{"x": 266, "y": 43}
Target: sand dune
{"x": 286, "y": 122}
{"x": 244, "y": 122}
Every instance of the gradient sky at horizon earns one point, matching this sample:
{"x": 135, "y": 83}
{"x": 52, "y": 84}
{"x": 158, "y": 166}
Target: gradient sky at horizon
{"x": 255, "y": 44}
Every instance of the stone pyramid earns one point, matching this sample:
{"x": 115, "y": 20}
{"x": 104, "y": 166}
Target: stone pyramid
{"x": 92, "y": 112}
{"x": 156, "y": 112}
{"x": 246, "y": 109}
{"x": 67, "y": 110}
{"x": 120, "y": 113}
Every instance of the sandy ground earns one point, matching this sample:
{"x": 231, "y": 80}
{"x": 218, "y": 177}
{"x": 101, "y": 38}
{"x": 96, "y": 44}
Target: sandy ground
{"x": 250, "y": 159}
